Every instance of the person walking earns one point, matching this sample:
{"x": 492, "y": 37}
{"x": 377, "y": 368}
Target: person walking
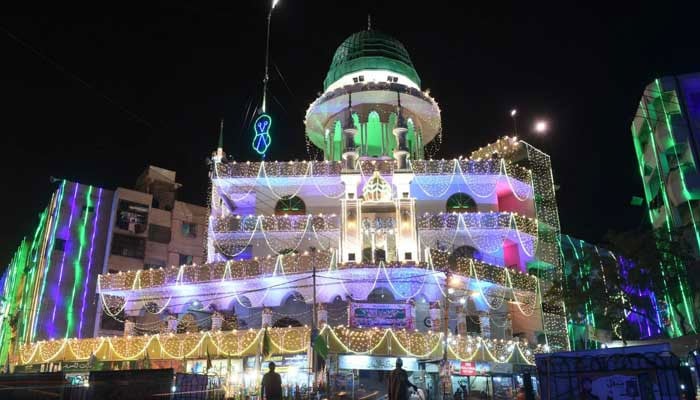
{"x": 398, "y": 383}
{"x": 271, "y": 386}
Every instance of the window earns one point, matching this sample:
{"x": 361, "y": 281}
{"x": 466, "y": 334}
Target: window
{"x": 87, "y": 208}
{"x": 128, "y": 246}
{"x": 59, "y": 244}
{"x": 185, "y": 259}
{"x": 158, "y": 233}
{"x": 189, "y": 229}
{"x": 290, "y": 206}
{"x": 153, "y": 264}
{"x": 460, "y": 202}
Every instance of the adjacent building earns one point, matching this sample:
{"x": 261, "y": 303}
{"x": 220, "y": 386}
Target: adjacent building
{"x": 49, "y": 289}
{"x": 665, "y": 132}
{"x": 149, "y": 228}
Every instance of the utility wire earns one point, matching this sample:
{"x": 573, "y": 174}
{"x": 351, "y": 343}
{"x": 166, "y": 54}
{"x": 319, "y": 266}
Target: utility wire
{"x": 76, "y": 78}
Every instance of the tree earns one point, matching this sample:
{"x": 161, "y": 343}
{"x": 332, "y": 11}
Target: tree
{"x": 597, "y": 293}
{"x": 661, "y": 262}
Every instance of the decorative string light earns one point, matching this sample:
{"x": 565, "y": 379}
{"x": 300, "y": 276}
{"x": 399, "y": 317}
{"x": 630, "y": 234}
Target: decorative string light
{"x": 240, "y": 343}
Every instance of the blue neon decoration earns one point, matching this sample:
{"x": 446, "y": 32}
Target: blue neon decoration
{"x": 262, "y": 139}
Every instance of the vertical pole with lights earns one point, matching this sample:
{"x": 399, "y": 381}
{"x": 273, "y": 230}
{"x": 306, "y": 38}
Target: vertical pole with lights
{"x": 262, "y": 139}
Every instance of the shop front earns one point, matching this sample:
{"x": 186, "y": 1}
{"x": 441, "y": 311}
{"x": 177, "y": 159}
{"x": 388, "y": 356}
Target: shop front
{"x": 486, "y": 379}
{"x": 293, "y": 369}
{"x": 354, "y": 376}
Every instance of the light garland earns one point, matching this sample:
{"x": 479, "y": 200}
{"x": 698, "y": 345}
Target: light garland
{"x": 444, "y": 228}
{"x": 241, "y": 343}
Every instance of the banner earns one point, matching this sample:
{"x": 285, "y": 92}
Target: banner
{"x": 375, "y": 363}
{"x": 380, "y": 315}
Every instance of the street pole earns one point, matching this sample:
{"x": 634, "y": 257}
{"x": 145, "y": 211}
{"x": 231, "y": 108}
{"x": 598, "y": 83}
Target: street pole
{"x": 314, "y": 320}
{"x": 446, "y": 388}
{"x": 267, "y": 60}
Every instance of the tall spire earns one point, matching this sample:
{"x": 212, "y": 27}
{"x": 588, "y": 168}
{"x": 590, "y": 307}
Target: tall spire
{"x": 221, "y": 135}
{"x": 219, "y": 155}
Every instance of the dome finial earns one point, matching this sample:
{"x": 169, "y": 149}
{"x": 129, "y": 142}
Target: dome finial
{"x": 369, "y": 22}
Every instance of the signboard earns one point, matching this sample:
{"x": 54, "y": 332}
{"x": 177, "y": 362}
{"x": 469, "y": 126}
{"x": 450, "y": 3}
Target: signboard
{"x": 132, "y": 217}
{"x": 474, "y": 368}
{"x": 375, "y": 363}
{"x": 612, "y": 387}
{"x": 394, "y": 316}
{"x": 501, "y": 368}
{"x": 262, "y": 139}
{"x": 467, "y": 368}
{"x": 283, "y": 363}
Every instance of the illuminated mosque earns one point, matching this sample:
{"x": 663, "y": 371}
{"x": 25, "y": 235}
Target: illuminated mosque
{"x": 378, "y": 249}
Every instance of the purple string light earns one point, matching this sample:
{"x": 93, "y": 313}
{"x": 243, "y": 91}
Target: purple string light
{"x": 92, "y": 250}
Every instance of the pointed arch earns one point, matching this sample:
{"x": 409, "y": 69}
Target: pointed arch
{"x": 358, "y": 126}
{"x": 390, "y": 143}
{"x": 290, "y": 205}
{"x": 337, "y": 146}
{"x": 374, "y": 134}
{"x": 411, "y": 138}
{"x": 460, "y": 202}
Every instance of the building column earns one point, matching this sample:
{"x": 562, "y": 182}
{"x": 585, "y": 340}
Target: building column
{"x": 129, "y": 328}
{"x": 401, "y": 150}
{"x": 435, "y": 317}
{"x": 217, "y": 321}
{"x": 266, "y": 317}
{"x": 350, "y": 155}
{"x": 322, "y": 315}
{"x": 485, "y": 322}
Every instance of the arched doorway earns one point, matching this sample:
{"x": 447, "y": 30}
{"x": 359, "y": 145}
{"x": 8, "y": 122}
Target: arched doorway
{"x": 460, "y": 203}
{"x": 290, "y": 205}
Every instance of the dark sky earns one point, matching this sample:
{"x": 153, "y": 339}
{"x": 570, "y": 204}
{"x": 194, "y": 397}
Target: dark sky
{"x": 96, "y": 94}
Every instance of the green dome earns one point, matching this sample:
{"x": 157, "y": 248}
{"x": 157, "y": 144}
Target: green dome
{"x": 370, "y": 49}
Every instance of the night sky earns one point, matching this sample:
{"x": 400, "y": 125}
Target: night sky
{"x": 94, "y": 95}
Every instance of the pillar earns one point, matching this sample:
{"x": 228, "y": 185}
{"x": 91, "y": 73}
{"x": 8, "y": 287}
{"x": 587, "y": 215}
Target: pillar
{"x": 509, "y": 326}
{"x": 485, "y": 322}
{"x": 461, "y": 321}
{"x": 322, "y": 315}
{"x": 435, "y": 317}
{"x": 350, "y": 155}
{"x": 217, "y": 321}
{"x": 401, "y": 150}
{"x": 172, "y": 324}
{"x": 411, "y": 323}
{"x": 266, "y": 317}
{"x": 129, "y": 328}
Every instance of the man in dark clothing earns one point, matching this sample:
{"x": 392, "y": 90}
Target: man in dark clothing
{"x": 271, "y": 387}
{"x": 398, "y": 383}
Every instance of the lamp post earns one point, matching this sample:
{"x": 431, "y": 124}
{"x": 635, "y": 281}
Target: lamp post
{"x": 266, "y": 78}
{"x": 514, "y": 115}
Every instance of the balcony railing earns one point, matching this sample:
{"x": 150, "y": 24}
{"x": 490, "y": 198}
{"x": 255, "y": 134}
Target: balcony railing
{"x": 476, "y": 220}
{"x": 275, "y": 223}
{"x": 492, "y": 166}
{"x": 297, "y": 264}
